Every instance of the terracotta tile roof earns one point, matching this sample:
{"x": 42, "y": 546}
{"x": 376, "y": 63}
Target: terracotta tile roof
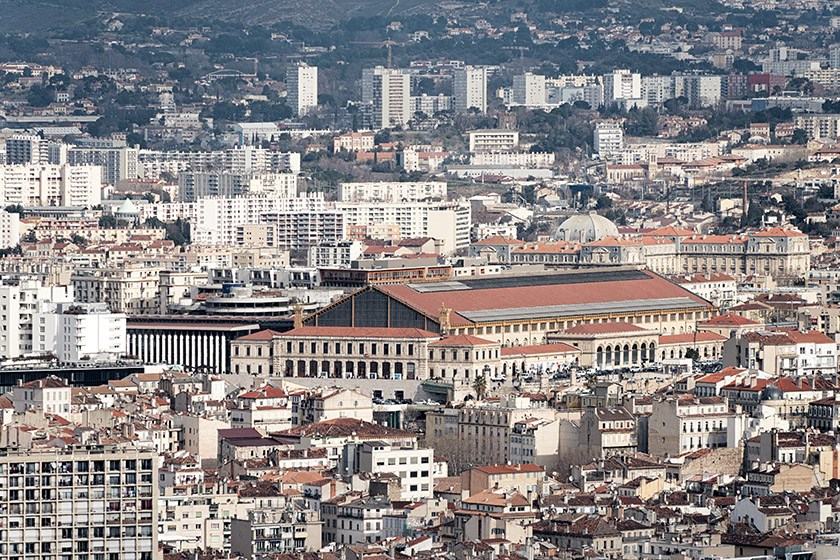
{"x": 344, "y": 427}
{"x": 462, "y": 340}
{"x": 728, "y": 319}
{"x": 545, "y": 248}
{"x": 498, "y": 499}
{"x": 720, "y": 376}
{"x": 690, "y": 337}
{"x": 360, "y": 332}
{"x": 510, "y": 469}
{"x": 539, "y": 349}
{"x": 716, "y": 239}
{"x": 266, "y": 334}
{"x": 612, "y": 242}
{"x": 50, "y": 382}
{"x": 670, "y": 231}
{"x": 499, "y": 240}
{"x": 605, "y": 328}
{"x": 528, "y": 292}
{"x": 779, "y": 232}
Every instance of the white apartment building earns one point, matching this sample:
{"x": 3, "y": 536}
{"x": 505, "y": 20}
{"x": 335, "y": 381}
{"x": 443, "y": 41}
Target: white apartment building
{"x": 788, "y": 353}
{"x": 469, "y": 88}
{"x": 388, "y": 93}
{"x": 117, "y": 162}
{"x": 18, "y": 305}
{"x": 76, "y": 332}
{"x": 720, "y": 289}
{"x": 446, "y": 221}
{"x": 657, "y": 89}
{"x": 430, "y": 104}
{"x": 834, "y": 57}
{"x": 702, "y": 91}
{"x": 301, "y": 230}
{"x": 354, "y": 142}
{"x": 28, "y": 148}
{"x": 301, "y": 221}
{"x": 96, "y": 501}
{"x": 493, "y": 140}
{"x": 393, "y": 191}
{"x": 253, "y": 133}
{"x": 130, "y": 289}
{"x": 193, "y": 185}
{"x": 683, "y": 424}
{"x": 608, "y": 138}
{"x": 689, "y": 151}
{"x": 819, "y": 126}
{"x": 265, "y": 532}
{"x": 9, "y": 229}
{"x": 622, "y": 85}
{"x": 514, "y": 159}
{"x": 302, "y": 88}
{"x": 242, "y": 159}
{"x": 51, "y": 395}
{"x": 413, "y": 465}
{"x": 51, "y": 185}
{"x": 593, "y": 94}
{"x": 529, "y": 90}
{"x": 335, "y": 255}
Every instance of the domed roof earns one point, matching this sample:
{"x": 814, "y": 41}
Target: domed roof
{"x": 584, "y": 228}
{"x": 771, "y": 393}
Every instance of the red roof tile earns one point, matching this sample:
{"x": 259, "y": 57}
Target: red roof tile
{"x": 262, "y": 335}
{"x": 361, "y": 332}
{"x": 462, "y": 340}
{"x": 538, "y": 349}
{"x": 690, "y": 337}
{"x": 605, "y": 328}
{"x": 728, "y": 319}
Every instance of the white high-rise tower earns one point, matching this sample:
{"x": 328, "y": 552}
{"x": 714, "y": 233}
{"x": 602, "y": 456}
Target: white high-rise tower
{"x": 469, "y": 89}
{"x": 302, "y": 88}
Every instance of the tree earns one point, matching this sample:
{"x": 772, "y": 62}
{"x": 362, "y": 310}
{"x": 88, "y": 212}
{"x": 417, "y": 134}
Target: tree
{"x": 39, "y": 96}
{"x": 480, "y": 386}
{"x": 692, "y": 354}
{"x": 154, "y": 223}
{"x": 14, "y": 209}
{"x": 603, "y": 202}
{"x": 107, "y": 222}
{"x": 78, "y": 240}
{"x": 799, "y": 136}
{"x": 590, "y": 380}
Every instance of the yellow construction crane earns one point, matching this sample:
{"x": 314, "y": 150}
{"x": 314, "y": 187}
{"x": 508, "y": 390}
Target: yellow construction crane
{"x": 387, "y": 43}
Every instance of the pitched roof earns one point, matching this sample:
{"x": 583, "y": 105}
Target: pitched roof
{"x": 728, "y": 319}
{"x": 477, "y": 300}
{"x": 690, "y": 337}
{"x": 266, "y": 334}
{"x": 510, "y": 469}
{"x": 489, "y": 497}
{"x": 779, "y": 232}
{"x": 344, "y": 427}
{"x": 499, "y": 240}
{"x": 539, "y": 349}
{"x": 360, "y": 332}
{"x": 50, "y": 382}
{"x": 461, "y": 340}
{"x": 605, "y": 328}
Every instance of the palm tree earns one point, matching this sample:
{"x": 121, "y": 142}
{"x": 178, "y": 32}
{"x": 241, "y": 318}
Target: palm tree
{"x": 480, "y": 387}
